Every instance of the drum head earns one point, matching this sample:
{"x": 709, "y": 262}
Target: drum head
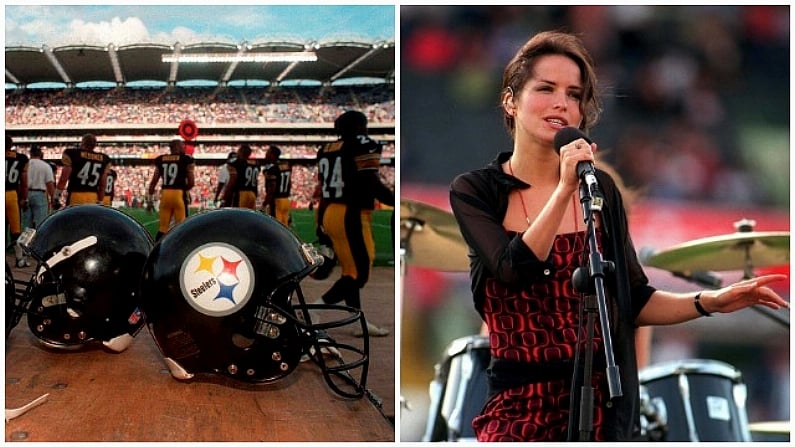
{"x": 689, "y": 366}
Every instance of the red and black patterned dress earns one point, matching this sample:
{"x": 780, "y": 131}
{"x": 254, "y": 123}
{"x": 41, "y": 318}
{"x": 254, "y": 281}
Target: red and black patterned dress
{"x": 537, "y": 329}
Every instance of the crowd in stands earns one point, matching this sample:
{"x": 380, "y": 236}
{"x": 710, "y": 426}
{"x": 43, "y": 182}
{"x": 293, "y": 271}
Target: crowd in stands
{"x": 232, "y": 105}
{"x": 242, "y": 106}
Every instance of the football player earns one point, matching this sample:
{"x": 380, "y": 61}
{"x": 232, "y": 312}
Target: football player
{"x": 84, "y": 174}
{"x": 278, "y": 183}
{"x": 110, "y": 187}
{"x": 241, "y": 190}
{"x": 16, "y": 196}
{"x": 349, "y": 187}
{"x": 175, "y": 169}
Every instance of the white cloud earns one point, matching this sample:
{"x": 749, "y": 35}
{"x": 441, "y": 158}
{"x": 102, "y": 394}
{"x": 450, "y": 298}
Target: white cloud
{"x": 36, "y": 29}
{"x": 178, "y": 34}
{"x": 117, "y": 30}
{"x": 246, "y": 18}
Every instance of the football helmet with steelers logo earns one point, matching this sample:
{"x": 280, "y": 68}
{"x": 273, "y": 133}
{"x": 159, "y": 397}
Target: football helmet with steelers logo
{"x": 88, "y": 261}
{"x": 221, "y": 296}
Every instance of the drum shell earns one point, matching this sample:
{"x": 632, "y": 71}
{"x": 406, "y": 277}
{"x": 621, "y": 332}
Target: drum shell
{"x": 458, "y": 390}
{"x": 704, "y": 400}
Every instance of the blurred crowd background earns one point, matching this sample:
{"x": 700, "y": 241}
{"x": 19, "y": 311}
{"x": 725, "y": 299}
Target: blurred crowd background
{"x": 696, "y": 122}
{"x": 696, "y": 98}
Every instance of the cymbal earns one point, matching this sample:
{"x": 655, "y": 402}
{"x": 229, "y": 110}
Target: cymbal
{"x": 770, "y": 427}
{"x": 432, "y": 238}
{"x": 736, "y": 251}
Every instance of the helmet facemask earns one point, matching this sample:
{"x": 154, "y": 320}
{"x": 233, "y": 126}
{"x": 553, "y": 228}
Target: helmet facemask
{"x": 344, "y": 366}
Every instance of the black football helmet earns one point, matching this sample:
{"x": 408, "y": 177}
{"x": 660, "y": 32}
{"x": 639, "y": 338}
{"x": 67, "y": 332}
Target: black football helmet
{"x": 221, "y": 295}
{"x": 88, "y": 261}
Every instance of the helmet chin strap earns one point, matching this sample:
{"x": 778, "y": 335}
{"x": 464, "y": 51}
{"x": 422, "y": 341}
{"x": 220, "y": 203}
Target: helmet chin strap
{"x": 65, "y": 253}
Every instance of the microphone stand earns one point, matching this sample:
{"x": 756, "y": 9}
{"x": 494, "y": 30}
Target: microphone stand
{"x": 592, "y": 203}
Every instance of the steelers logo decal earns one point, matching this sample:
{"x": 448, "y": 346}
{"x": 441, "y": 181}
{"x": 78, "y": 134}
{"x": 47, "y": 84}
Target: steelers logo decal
{"x": 217, "y": 279}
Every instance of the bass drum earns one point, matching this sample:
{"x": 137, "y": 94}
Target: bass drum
{"x": 458, "y": 390}
{"x": 697, "y": 400}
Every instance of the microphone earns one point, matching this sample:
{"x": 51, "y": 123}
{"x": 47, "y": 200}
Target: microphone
{"x": 585, "y": 169}
{"x": 701, "y": 277}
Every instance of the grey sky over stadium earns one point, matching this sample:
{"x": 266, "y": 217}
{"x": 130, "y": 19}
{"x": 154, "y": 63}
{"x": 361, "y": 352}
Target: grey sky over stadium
{"x": 57, "y": 25}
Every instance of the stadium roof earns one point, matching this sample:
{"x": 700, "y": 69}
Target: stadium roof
{"x": 142, "y": 63}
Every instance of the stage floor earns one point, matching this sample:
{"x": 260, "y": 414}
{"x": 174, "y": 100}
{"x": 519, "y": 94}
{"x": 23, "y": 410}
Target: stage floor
{"x": 98, "y": 396}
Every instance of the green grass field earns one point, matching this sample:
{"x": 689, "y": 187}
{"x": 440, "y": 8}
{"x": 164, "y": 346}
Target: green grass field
{"x": 304, "y": 227}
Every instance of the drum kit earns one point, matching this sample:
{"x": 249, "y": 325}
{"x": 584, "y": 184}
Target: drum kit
{"x": 686, "y": 400}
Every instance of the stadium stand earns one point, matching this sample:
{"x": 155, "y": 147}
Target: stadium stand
{"x": 134, "y": 120}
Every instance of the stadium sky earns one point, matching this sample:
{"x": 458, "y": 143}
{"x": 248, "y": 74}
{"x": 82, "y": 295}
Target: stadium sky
{"x": 56, "y": 25}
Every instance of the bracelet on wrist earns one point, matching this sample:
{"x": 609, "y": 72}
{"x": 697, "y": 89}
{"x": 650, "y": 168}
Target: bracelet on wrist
{"x": 699, "y": 307}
